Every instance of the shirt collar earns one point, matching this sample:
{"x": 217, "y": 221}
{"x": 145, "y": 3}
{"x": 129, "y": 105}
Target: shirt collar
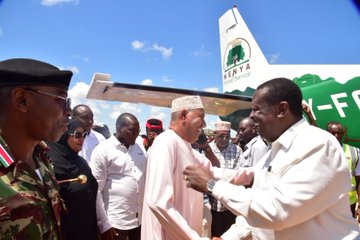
{"x": 115, "y": 141}
{"x": 288, "y": 136}
{"x": 252, "y": 141}
{"x": 215, "y": 147}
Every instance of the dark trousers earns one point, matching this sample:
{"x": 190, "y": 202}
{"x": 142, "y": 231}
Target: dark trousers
{"x": 353, "y": 210}
{"x": 131, "y": 234}
{"x": 221, "y": 222}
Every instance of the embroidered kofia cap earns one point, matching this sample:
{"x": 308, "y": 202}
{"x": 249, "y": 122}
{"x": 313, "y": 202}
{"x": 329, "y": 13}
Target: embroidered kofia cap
{"x": 25, "y": 71}
{"x": 222, "y": 126}
{"x": 186, "y": 103}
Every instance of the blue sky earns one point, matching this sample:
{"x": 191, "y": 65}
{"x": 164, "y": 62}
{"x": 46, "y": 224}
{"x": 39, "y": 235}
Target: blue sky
{"x": 172, "y": 43}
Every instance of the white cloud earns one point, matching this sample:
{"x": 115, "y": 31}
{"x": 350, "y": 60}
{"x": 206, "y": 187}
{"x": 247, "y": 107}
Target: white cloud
{"x": 159, "y": 113}
{"x": 147, "y": 82}
{"x": 136, "y": 44}
{"x": 57, "y": 2}
{"x": 166, "y": 79}
{"x": 79, "y": 91}
{"x": 1, "y": 33}
{"x": 201, "y": 52}
{"x": 78, "y": 96}
{"x": 83, "y": 58}
{"x": 141, "y": 46}
{"x": 120, "y": 108}
{"x": 165, "y": 52}
{"x": 212, "y": 89}
{"x": 74, "y": 69}
{"x": 274, "y": 57}
{"x": 104, "y": 105}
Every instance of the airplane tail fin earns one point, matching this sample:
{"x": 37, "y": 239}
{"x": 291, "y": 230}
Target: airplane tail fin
{"x": 242, "y": 60}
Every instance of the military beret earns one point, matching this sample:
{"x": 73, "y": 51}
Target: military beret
{"x": 23, "y": 71}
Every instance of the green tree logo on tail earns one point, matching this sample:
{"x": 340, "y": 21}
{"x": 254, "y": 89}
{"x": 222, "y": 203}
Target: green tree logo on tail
{"x": 236, "y": 54}
{"x": 236, "y": 63}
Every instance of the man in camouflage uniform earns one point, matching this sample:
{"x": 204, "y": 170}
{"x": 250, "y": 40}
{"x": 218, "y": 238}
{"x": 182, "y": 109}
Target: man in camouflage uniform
{"x": 33, "y": 107}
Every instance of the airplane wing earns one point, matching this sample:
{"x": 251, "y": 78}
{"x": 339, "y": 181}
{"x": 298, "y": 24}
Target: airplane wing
{"x": 214, "y": 103}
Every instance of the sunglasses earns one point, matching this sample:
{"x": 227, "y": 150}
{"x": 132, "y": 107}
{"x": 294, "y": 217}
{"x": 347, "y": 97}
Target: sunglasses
{"x": 67, "y": 101}
{"x": 79, "y": 135}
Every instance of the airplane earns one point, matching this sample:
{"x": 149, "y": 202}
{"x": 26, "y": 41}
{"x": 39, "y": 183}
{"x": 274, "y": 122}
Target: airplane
{"x": 331, "y": 91}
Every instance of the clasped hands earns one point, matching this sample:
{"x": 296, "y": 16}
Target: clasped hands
{"x": 197, "y": 178}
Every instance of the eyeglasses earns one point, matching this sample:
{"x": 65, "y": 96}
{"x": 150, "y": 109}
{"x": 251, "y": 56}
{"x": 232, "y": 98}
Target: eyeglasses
{"x": 79, "y": 135}
{"x": 67, "y": 101}
{"x": 223, "y": 136}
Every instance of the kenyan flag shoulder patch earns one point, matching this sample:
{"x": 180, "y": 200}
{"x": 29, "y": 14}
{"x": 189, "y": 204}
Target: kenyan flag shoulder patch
{"x": 5, "y": 159}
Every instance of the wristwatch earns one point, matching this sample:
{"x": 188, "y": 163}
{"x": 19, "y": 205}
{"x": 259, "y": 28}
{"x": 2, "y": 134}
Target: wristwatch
{"x": 207, "y": 149}
{"x": 210, "y": 185}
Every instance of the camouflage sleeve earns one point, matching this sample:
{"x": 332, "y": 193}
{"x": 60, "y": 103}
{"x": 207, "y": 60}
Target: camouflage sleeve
{"x": 19, "y": 218}
{"x": 29, "y": 207}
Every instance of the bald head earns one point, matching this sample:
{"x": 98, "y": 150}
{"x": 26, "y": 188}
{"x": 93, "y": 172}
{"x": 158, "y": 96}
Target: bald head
{"x": 84, "y": 114}
{"x": 127, "y": 129}
{"x": 336, "y": 129}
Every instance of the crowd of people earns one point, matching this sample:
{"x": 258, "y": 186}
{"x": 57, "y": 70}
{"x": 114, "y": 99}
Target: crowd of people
{"x": 62, "y": 177}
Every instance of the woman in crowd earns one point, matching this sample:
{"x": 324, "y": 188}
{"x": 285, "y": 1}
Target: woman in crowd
{"x": 79, "y": 221}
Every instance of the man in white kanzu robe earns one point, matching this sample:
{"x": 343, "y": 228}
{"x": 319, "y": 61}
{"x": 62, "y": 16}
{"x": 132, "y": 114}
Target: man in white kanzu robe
{"x": 171, "y": 209}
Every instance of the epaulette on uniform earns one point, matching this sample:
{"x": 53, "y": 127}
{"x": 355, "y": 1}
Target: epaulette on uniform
{"x": 43, "y": 146}
{"x": 42, "y": 149}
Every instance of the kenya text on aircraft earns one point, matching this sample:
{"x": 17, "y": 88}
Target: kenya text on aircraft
{"x": 331, "y": 91}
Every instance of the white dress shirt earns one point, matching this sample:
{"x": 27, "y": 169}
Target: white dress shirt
{"x": 90, "y": 142}
{"x": 255, "y": 149}
{"x": 300, "y": 190}
{"x": 120, "y": 173}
